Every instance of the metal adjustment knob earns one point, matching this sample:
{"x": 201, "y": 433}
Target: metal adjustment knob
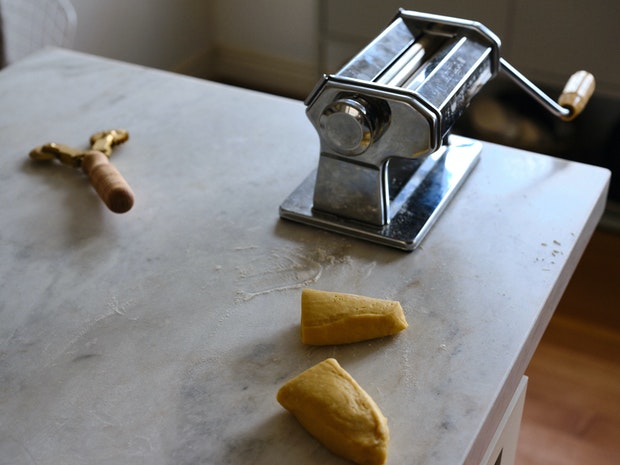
{"x": 349, "y": 125}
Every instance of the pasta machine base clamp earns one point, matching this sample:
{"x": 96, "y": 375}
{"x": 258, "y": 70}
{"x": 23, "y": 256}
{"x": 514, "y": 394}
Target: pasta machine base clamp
{"x": 421, "y": 200}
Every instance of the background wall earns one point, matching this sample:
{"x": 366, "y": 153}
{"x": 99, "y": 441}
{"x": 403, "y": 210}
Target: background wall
{"x": 284, "y": 46}
{"x": 169, "y": 34}
{"x": 267, "y": 44}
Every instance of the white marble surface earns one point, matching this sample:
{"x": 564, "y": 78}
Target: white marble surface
{"x": 162, "y": 335}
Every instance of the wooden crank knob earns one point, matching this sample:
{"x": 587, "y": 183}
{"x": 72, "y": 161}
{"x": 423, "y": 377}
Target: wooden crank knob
{"x": 109, "y": 184}
{"x": 577, "y": 91}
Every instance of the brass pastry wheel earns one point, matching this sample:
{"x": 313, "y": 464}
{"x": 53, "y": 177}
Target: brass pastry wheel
{"x": 109, "y": 184}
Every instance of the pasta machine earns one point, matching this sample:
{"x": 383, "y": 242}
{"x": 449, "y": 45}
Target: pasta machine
{"x": 388, "y": 164}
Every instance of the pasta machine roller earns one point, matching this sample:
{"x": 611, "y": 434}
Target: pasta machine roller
{"x": 388, "y": 163}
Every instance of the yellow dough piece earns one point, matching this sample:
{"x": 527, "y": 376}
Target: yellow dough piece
{"x": 337, "y": 318}
{"x": 334, "y": 409}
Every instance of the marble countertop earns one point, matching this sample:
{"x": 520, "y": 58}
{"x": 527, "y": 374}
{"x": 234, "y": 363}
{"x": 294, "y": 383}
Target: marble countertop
{"x": 162, "y": 335}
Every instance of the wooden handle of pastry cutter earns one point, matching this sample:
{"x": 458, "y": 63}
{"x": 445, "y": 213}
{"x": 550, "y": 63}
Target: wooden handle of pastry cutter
{"x": 107, "y": 181}
{"x": 577, "y": 91}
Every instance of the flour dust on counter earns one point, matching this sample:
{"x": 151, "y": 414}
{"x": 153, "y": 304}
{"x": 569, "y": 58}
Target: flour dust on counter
{"x": 265, "y": 271}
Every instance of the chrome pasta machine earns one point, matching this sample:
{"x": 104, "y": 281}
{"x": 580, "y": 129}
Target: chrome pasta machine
{"x": 388, "y": 164}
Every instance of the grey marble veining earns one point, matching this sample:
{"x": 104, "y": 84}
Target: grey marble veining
{"x": 162, "y": 335}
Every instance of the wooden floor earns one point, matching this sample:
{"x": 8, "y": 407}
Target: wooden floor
{"x": 572, "y": 408}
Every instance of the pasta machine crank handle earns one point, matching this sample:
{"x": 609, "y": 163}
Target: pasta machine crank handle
{"x": 576, "y": 94}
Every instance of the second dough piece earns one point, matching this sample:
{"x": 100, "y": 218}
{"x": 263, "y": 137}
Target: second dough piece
{"x": 333, "y": 408}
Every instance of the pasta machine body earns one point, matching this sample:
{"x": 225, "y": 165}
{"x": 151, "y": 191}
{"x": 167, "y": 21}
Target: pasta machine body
{"x": 388, "y": 164}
